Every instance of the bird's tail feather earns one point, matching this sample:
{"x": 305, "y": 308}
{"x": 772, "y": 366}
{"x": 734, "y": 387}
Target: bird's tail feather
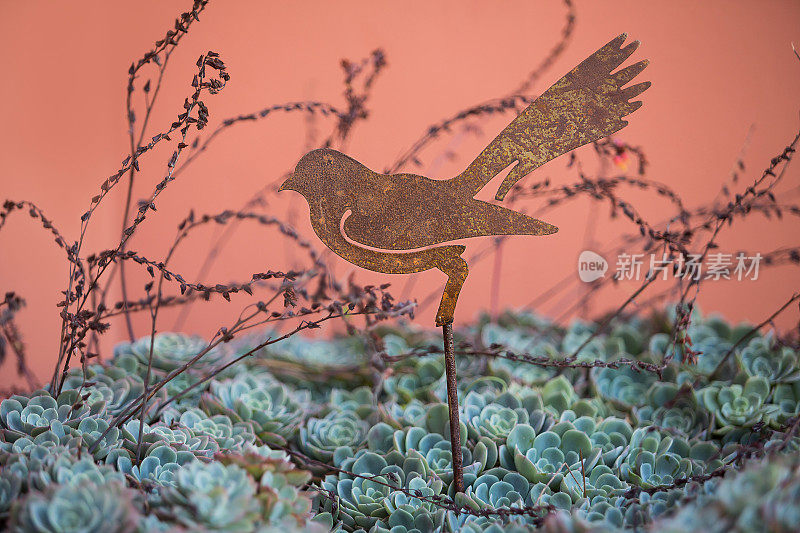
{"x": 587, "y": 104}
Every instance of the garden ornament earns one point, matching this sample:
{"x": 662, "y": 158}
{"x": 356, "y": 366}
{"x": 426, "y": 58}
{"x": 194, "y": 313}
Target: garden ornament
{"x": 404, "y": 223}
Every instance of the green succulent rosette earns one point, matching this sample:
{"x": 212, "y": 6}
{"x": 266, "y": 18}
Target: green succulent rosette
{"x": 335, "y": 436}
{"x": 268, "y": 407}
{"x": 738, "y": 406}
{"x": 85, "y": 506}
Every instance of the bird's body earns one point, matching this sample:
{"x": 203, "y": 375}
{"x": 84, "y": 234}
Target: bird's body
{"x": 420, "y": 211}
{"x": 444, "y": 214}
{"x": 400, "y": 223}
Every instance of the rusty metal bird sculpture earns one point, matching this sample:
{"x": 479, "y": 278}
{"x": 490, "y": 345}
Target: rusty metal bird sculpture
{"x": 403, "y": 223}
{"x": 392, "y": 223}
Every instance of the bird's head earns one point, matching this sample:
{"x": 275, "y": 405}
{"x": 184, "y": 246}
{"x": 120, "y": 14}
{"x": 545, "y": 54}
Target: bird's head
{"x": 319, "y": 171}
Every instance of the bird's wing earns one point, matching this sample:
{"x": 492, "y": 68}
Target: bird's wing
{"x": 326, "y": 220}
{"x": 435, "y": 220}
{"x": 585, "y": 105}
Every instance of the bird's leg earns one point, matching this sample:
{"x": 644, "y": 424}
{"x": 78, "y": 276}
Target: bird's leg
{"x": 456, "y": 270}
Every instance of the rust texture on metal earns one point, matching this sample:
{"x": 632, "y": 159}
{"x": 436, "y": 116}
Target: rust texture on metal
{"x": 398, "y": 223}
{"x": 452, "y": 402}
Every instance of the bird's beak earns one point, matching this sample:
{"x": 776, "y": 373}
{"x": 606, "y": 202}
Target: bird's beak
{"x": 286, "y": 185}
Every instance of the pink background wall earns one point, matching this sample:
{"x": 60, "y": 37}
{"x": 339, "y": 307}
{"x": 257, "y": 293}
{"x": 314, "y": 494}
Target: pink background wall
{"x": 717, "y": 68}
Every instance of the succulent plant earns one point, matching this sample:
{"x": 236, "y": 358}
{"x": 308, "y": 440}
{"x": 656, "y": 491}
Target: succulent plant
{"x": 762, "y": 497}
{"x": 211, "y": 496}
{"x": 601, "y": 484}
{"x": 29, "y": 416}
{"x": 409, "y": 514}
{"x": 611, "y": 436}
{"x": 656, "y": 458}
{"x": 268, "y": 407}
{"x": 787, "y": 397}
{"x": 775, "y": 363}
{"x": 55, "y": 437}
{"x": 583, "y": 521}
{"x": 712, "y": 349}
{"x": 436, "y": 451}
{"x": 494, "y": 415}
{"x": 380, "y": 438}
{"x": 323, "y": 438}
{"x": 659, "y": 345}
{"x": 157, "y": 467}
{"x": 651, "y": 506}
{"x": 70, "y": 470}
{"x": 10, "y": 487}
{"x": 362, "y": 499}
{"x": 183, "y": 384}
{"x": 526, "y": 373}
{"x": 228, "y": 435}
{"x": 577, "y": 333}
{"x": 627, "y": 339}
{"x": 96, "y": 435}
{"x": 170, "y": 351}
{"x": 606, "y": 449}
{"x": 521, "y": 319}
{"x": 431, "y": 445}
{"x": 497, "y": 488}
{"x": 495, "y": 421}
{"x": 113, "y": 385}
{"x": 623, "y": 386}
{"x": 542, "y": 494}
{"x": 558, "y": 395}
{"x": 736, "y": 405}
{"x": 722, "y": 329}
{"x": 712, "y": 337}
{"x": 38, "y": 467}
{"x": 85, "y": 506}
{"x": 178, "y": 437}
{"x": 360, "y": 401}
{"x": 76, "y": 433}
{"x": 311, "y": 365}
{"x": 415, "y": 378}
{"x": 410, "y": 414}
{"x": 20, "y": 471}
{"x": 282, "y": 503}
{"x": 152, "y": 523}
{"x": 649, "y": 470}
{"x": 317, "y": 355}
{"x": 519, "y": 341}
{"x": 546, "y": 457}
{"x": 673, "y": 407}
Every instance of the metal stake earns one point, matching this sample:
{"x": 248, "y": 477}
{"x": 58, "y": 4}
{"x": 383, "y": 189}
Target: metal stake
{"x": 452, "y": 404}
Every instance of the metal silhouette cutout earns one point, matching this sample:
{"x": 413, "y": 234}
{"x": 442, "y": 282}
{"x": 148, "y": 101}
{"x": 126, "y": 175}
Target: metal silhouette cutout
{"x": 398, "y": 223}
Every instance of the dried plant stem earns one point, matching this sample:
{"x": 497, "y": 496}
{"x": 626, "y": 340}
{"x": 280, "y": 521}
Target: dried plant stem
{"x": 77, "y": 279}
{"x": 72, "y": 341}
{"x": 544, "y": 361}
{"x": 143, "y": 411}
{"x": 452, "y": 405}
{"x": 153, "y": 319}
{"x": 135, "y": 144}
